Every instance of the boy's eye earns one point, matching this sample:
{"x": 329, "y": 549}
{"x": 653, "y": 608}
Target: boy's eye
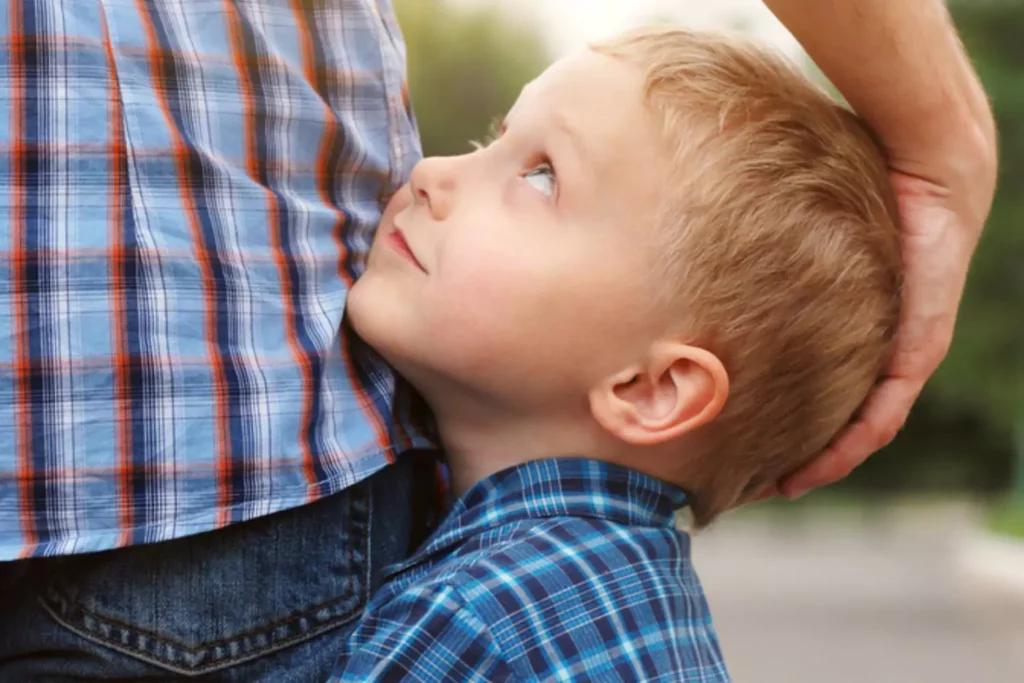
{"x": 542, "y": 177}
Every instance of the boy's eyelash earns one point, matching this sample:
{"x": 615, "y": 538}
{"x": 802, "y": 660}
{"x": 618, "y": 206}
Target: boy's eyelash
{"x": 493, "y": 133}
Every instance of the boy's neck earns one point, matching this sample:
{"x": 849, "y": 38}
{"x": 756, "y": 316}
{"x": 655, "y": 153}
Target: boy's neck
{"x": 478, "y": 446}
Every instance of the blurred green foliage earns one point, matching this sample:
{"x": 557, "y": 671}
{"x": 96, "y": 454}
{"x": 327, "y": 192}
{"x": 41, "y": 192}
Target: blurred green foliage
{"x": 467, "y": 66}
{"x": 961, "y": 432}
{"x": 985, "y": 370}
{"x": 1008, "y": 518}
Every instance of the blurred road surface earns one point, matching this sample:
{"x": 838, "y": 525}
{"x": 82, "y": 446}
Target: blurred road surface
{"x": 855, "y": 598}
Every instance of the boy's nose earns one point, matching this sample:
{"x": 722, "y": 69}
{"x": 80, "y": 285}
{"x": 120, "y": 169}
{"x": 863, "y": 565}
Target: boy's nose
{"x": 433, "y": 183}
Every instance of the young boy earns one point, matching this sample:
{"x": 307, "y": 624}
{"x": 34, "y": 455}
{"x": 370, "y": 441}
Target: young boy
{"x": 670, "y": 281}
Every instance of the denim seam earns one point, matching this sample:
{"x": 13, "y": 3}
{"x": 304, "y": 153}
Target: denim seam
{"x": 61, "y": 608}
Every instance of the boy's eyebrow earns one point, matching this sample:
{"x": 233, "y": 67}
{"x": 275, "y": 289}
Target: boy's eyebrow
{"x": 562, "y": 124}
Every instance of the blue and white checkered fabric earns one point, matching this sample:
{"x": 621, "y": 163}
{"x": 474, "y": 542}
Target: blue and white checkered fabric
{"x": 187, "y": 190}
{"x": 561, "y": 570}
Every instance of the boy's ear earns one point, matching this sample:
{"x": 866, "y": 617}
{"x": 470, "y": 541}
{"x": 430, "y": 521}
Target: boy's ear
{"x": 677, "y": 390}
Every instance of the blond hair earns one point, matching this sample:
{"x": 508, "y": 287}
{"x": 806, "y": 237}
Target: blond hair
{"x": 784, "y": 251}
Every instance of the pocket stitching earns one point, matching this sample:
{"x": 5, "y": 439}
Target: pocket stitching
{"x": 60, "y": 608}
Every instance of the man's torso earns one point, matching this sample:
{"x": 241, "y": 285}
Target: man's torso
{"x": 188, "y": 188}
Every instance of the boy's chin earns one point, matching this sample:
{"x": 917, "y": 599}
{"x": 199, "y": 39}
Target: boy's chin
{"x": 386, "y": 333}
{"x": 369, "y": 312}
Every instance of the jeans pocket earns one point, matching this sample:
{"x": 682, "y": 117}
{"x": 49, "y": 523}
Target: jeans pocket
{"x": 203, "y": 603}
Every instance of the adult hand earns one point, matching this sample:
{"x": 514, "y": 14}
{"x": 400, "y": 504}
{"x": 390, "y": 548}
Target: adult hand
{"x": 939, "y": 136}
{"x": 937, "y": 242}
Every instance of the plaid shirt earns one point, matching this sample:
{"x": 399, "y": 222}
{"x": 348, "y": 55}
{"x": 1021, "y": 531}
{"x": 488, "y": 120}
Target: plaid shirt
{"x": 187, "y": 190}
{"x": 562, "y": 570}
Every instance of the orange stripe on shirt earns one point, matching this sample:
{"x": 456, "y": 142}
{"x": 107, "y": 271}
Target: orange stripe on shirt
{"x": 252, "y": 162}
{"x": 180, "y": 153}
{"x": 122, "y": 381}
{"x": 23, "y": 365}
{"x": 309, "y": 68}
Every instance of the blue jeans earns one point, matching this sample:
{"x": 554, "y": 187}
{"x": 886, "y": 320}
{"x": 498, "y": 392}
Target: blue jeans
{"x": 266, "y": 600}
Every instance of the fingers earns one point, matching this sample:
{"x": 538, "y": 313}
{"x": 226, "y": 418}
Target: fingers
{"x": 882, "y": 416}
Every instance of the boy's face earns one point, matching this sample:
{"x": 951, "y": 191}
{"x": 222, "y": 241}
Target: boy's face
{"x": 521, "y": 274}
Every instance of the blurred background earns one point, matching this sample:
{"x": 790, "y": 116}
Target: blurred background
{"x": 913, "y": 568}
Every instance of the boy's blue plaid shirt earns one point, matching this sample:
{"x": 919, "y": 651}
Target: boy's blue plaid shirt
{"x": 187, "y": 189}
{"x": 561, "y": 570}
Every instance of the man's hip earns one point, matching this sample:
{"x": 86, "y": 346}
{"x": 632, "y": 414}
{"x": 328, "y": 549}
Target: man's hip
{"x": 264, "y": 600}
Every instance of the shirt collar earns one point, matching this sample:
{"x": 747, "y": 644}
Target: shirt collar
{"x": 568, "y": 487}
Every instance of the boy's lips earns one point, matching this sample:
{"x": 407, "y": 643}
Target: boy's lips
{"x": 396, "y": 240}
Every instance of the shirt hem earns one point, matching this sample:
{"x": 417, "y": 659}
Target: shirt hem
{"x": 205, "y": 521}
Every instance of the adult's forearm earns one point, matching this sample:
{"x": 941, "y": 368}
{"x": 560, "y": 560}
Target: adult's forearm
{"x": 900, "y": 65}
